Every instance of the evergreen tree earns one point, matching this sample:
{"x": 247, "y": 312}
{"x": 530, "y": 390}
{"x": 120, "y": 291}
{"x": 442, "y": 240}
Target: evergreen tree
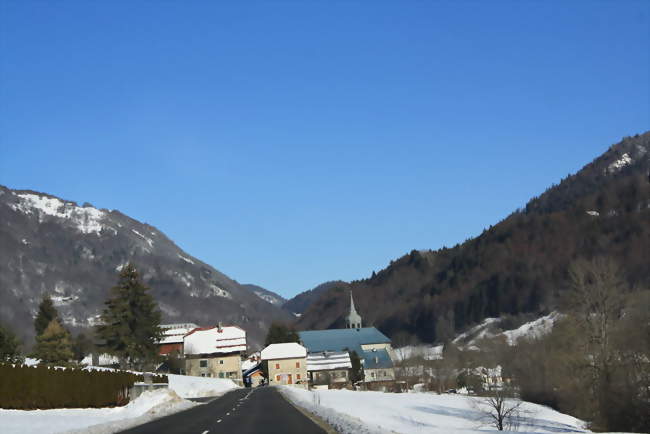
{"x": 54, "y": 346}
{"x": 280, "y": 333}
{"x": 130, "y": 321}
{"x": 46, "y": 313}
{"x": 81, "y": 346}
{"x": 9, "y": 346}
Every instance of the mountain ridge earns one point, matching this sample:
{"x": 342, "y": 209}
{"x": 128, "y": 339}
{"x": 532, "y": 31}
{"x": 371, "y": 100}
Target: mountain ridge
{"x": 52, "y": 245}
{"x": 519, "y": 265}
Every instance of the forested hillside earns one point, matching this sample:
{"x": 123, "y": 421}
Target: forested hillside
{"x": 519, "y": 265}
{"x": 302, "y": 301}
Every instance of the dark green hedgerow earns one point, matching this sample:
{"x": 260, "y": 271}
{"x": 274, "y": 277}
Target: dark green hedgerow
{"x": 41, "y": 387}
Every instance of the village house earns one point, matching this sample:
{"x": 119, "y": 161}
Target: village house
{"x": 215, "y": 352}
{"x": 172, "y": 339}
{"x": 330, "y": 369}
{"x": 287, "y": 364}
{"x": 377, "y": 366}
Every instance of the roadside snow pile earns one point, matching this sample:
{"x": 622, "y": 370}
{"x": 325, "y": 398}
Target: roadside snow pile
{"x": 199, "y": 387}
{"x": 149, "y": 406}
{"x": 377, "y": 412}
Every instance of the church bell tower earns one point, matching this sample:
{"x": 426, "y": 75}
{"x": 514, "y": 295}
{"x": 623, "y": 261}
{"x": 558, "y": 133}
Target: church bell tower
{"x": 353, "y": 320}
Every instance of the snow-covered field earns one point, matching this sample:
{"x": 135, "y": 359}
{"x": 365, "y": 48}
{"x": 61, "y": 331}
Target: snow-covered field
{"x": 149, "y": 406}
{"x": 377, "y": 412}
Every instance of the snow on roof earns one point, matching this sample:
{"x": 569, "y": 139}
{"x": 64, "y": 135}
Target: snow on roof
{"x": 174, "y": 333}
{"x": 328, "y": 360}
{"x": 213, "y": 340}
{"x": 289, "y": 350}
{"x": 186, "y": 325}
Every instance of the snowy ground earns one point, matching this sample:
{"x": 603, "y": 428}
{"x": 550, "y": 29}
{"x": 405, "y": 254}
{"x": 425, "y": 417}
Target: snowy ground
{"x": 377, "y": 412}
{"x": 199, "y": 387}
{"x": 149, "y": 406}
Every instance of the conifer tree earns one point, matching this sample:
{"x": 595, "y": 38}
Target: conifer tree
{"x": 130, "y": 322}
{"x": 54, "y": 346}
{"x": 46, "y": 313}
{"x": 280, "y": 333}
{"x": 9, "y": 346}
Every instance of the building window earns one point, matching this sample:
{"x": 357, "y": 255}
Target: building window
{"x": 221, "y": 362}
{"x": 277, "y": 366}
{"x": 220, "y": 374}
{"x": 202, "y": 375}
{"x": 277, "y": 378}
{"x": 297, "y": 364}
{"x": 203, "y": 363}
{"x": 297, "y": 376}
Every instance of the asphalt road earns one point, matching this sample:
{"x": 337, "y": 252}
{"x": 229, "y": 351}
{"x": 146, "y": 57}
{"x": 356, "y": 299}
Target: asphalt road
{"x": 261, "y": 410}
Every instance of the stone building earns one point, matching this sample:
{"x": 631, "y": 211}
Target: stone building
{"x": 287, "y": 364}
{"x": 215, "y": 352}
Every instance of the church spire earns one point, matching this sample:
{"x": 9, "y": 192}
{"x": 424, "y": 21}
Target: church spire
{"x": 353, "y": 320}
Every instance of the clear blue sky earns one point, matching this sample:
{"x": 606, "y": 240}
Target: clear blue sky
{"x": 290, "y": 143}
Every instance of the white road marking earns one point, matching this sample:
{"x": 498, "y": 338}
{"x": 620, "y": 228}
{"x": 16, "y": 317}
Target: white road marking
{"x": 205, "y": 432}
{"x": 227, "y": 414}
{"x": 219, "y": 421}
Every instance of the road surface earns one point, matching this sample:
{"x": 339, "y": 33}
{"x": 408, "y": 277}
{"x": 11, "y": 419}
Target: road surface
{"x": 262, "y": 410}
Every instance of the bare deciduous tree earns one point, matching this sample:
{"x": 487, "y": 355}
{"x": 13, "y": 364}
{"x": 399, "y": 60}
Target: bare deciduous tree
{"x": 499, "y": 410}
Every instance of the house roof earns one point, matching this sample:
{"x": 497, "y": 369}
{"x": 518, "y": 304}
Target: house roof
{"x": 174, "y": 333}
{"x": 376, "y": 359}
{"x": 289, "y": 350}
{"x": 328, "y": 360}
{"x": 340, "y": 339}
{"x": 215, "y": 340}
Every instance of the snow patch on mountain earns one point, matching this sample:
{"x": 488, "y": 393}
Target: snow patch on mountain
{"x": 617, "y": 165}
{"x": 534, "y": 329}
{"x": 220, "y": 292}
{"x": 148, "y": 240}
{"x": 269, "y": 298}
{"x": 87, "y": 220}
{"x": 188, "y": 260}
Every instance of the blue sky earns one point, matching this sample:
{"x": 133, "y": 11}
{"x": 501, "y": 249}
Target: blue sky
{"x": 290, "y": 143}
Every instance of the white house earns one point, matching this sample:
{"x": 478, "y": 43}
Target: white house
{"x": 287, "y": 364}
{"x": 215, "y": 352}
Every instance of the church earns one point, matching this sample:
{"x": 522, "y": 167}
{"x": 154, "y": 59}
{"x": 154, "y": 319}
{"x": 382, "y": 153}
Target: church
{"x": 372, "y": 346}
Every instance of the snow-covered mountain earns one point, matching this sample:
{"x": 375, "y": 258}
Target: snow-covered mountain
{"x": 51, "y": 245}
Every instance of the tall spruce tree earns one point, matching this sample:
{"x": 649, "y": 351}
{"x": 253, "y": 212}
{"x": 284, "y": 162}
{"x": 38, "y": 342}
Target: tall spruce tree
{"x": 9, "y": 346}
{"x": 130, "y": 322}
{"x": 54, "y": 345}
{"x": 46, "y": 313}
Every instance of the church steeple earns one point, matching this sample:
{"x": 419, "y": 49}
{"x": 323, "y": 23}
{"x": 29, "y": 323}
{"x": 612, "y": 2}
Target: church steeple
{"x": 353, "y": 320}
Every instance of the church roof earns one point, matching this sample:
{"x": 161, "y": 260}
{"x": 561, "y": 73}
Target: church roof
{"x": 340, "y": 339}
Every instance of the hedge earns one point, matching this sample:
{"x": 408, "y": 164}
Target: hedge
{"x": 40, "y": 387}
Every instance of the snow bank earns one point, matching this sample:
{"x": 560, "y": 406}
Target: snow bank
{"x": 377, "y": 412}
{"x": 199, "y": 387}
{"x": 149, "y": 406}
